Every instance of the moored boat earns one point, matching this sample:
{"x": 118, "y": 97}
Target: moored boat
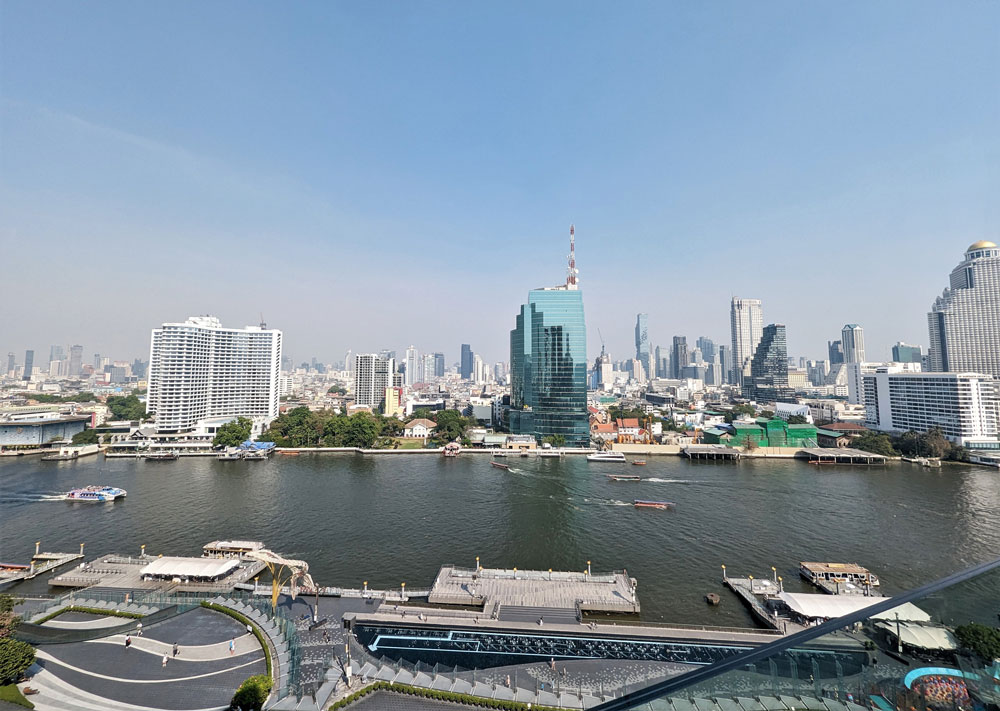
{"x": 163, "y": 456}
{"x": 606, "y": 457}
{"x": 96, "y": 493}
{"x": 643, "y": 504}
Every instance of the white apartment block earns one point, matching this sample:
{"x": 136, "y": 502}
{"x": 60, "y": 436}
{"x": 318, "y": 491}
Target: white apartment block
{"x": 747, "y": 322}
{"x": 964, "y": 322}
{"x": 199, "y": 370}
{"x": 963, "y": 405}
{"x": 372, "y": 375}
{"x": 857, "y": 370}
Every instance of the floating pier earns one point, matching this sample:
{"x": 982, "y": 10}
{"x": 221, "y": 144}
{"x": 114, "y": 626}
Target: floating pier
{"x": 835, "y": 455}
{"x": 754, "y": 592}
{"x": 41, "y": 562}
{"x": 711, "y": 451}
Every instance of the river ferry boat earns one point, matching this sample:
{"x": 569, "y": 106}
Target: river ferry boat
{"x": 230, "y": 455}
{"x": 662, "y": 505}
{"x": 606, "y": 457}
{"x": 163, "y": 456}
{"x": 824, "y": 574}
{"x": 624, "y": 477}
{"x": 500, "y": 465}
{"x": 639, "y": 463}
{"x": 452, "y": 449}
{"x": 230, "y": 549}
{"x": 96, "y": 493}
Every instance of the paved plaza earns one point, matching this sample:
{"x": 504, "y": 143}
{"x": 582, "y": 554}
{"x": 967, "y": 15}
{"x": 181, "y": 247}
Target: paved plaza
{"x": 103, "y": 674}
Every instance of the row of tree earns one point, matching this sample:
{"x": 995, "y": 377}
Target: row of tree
{"x": 301, "y": 427}
{"x": 931, "y": 443}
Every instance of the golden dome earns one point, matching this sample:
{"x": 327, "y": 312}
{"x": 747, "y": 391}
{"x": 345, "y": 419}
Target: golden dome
{"x": 981, "y": 244}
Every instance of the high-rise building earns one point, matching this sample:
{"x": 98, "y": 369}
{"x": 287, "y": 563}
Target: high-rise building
{"x": 853, "y": 339}
{"x": 964, "y": 322}
{"x": 642, "y": 343}
{"x": 746, "y": 317}
{"x": 679, "y": 357}
{"x": 964, "y": 406}
{"x": 768, "y": 380}
{"x": 372, "y": 377}
{"x": 439, "y": 365}
{"x": 707, "y": 348}
{"x": 427, "y": 365}
{"x": 29, "y": 364}
{"x": 10, "y": 363}
{"x": 835, "y": 351}
{"x": 662, "y": 363}
{"x": 465, "y": 369}
{"x": 75, "y": 360}
{"x": 905, "y": 353}
{"x": 57, "y": 353}
{"x": 98, "y": 364}
{"x": 548, "y": 363}
{"x": 412, "y": 369}
{"x": 201, "y": 370}
{"x": 726, "y": 364}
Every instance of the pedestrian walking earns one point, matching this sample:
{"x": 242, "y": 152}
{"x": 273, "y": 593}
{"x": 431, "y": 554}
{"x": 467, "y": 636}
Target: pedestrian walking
{"x": 164, "y": 661}
{"x": 249, "y": 628}
{"x": 176, "y": 649}
{"x": 128, "y": 641}
{"x": 138, "y": 630}
{"x": 232, "y": 646}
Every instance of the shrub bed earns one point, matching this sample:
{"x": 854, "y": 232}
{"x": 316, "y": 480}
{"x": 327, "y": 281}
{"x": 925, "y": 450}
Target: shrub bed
{"x": 92, "y": 611}
{"x": 246, "y": 621}
{"x": 466, "y": 699}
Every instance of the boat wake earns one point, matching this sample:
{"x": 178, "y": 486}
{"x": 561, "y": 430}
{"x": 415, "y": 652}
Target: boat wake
{"x": 29, "y": 497}
{"x": 607, "y": 502}
{"x": 669, "y": 481}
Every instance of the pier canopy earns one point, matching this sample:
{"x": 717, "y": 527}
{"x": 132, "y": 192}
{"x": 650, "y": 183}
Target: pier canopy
{"x": 818, "y": 606}
{"x": 202, "y": 569}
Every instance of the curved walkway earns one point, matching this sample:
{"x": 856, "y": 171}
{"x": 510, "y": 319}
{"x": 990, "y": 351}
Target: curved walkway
{"x": 103, "y": 675}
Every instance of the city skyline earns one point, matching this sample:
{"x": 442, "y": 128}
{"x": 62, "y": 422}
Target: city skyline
{"x": 712, "y": 137}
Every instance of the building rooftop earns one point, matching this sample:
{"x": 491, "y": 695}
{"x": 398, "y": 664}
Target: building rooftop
{"x": 420, "y": 421}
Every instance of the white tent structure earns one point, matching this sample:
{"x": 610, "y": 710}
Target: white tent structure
{"x": 813, "y": 606}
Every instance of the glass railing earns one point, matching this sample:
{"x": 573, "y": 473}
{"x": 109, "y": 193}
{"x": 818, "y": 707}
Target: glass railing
{"x": 936, "y": 648}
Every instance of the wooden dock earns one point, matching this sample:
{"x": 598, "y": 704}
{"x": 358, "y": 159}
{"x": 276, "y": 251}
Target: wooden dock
{"x": 753, "y": 592}
{"x": 41, "y": 562}
{"x": 842, "y": 455}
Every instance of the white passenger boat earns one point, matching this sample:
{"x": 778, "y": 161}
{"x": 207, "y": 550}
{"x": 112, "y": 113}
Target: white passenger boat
{"x": 96, "y": 493}
{"x": 606, "y": 457}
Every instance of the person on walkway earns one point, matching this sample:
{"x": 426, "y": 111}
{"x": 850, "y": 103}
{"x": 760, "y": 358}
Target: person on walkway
{"x": 128, "y": 641}
{"x": 232, "y": 646}
{"x": 164, "y": 661}
{"x": 176, "y": 649}
{"x": 138, "y": 630}
{"x": 249, "y": 628}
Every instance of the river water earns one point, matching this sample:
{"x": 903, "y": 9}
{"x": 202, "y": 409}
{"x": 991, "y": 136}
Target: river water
{"x": 394, "y": 518}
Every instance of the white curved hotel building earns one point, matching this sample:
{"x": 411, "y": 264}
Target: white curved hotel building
{"x": 200, "y": 370}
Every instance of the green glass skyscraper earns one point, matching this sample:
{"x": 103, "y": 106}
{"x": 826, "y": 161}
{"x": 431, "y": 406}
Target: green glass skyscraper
{"x": 548, "y": 362}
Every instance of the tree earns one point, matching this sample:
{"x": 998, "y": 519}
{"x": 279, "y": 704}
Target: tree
{"x": 88, "y": 436}
{"x": 362, "y": 431}
{"x": 15, "y": 657}
{"x": 252, "y": 693}
{"x": 126, "y": 408}
{"x": 337, "y": 390}
{"x": 8, "y": 620}
{"x": 421, "y": 413}
{"x": 233, "y": 434}
{"x": 876, "y": 443}
{"x": 450, "y": 426}
{"x": 798, "y": 420}
{"x": 982, "y": 640}
{"x": 556, "y": 440}
{"x": 750, "y": 443}
{"x": 767, "y": 414}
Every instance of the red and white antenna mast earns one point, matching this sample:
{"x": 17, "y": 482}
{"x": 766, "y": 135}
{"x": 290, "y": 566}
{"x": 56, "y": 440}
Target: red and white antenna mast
{"x": 572, "y": 271}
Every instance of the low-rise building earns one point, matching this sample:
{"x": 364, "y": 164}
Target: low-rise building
{"x": 419, "y": 428}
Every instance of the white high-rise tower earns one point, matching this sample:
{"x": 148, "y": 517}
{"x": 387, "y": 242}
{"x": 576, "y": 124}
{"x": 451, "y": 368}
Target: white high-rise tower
{"x": 852, "y": 339}
{"x": 200, "y": 370}
{"x": 964, "y": 322}
{"x": 747, "y": 321}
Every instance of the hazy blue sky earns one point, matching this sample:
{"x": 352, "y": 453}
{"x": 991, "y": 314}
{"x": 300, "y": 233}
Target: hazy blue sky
{"x": 377, "y": 174}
